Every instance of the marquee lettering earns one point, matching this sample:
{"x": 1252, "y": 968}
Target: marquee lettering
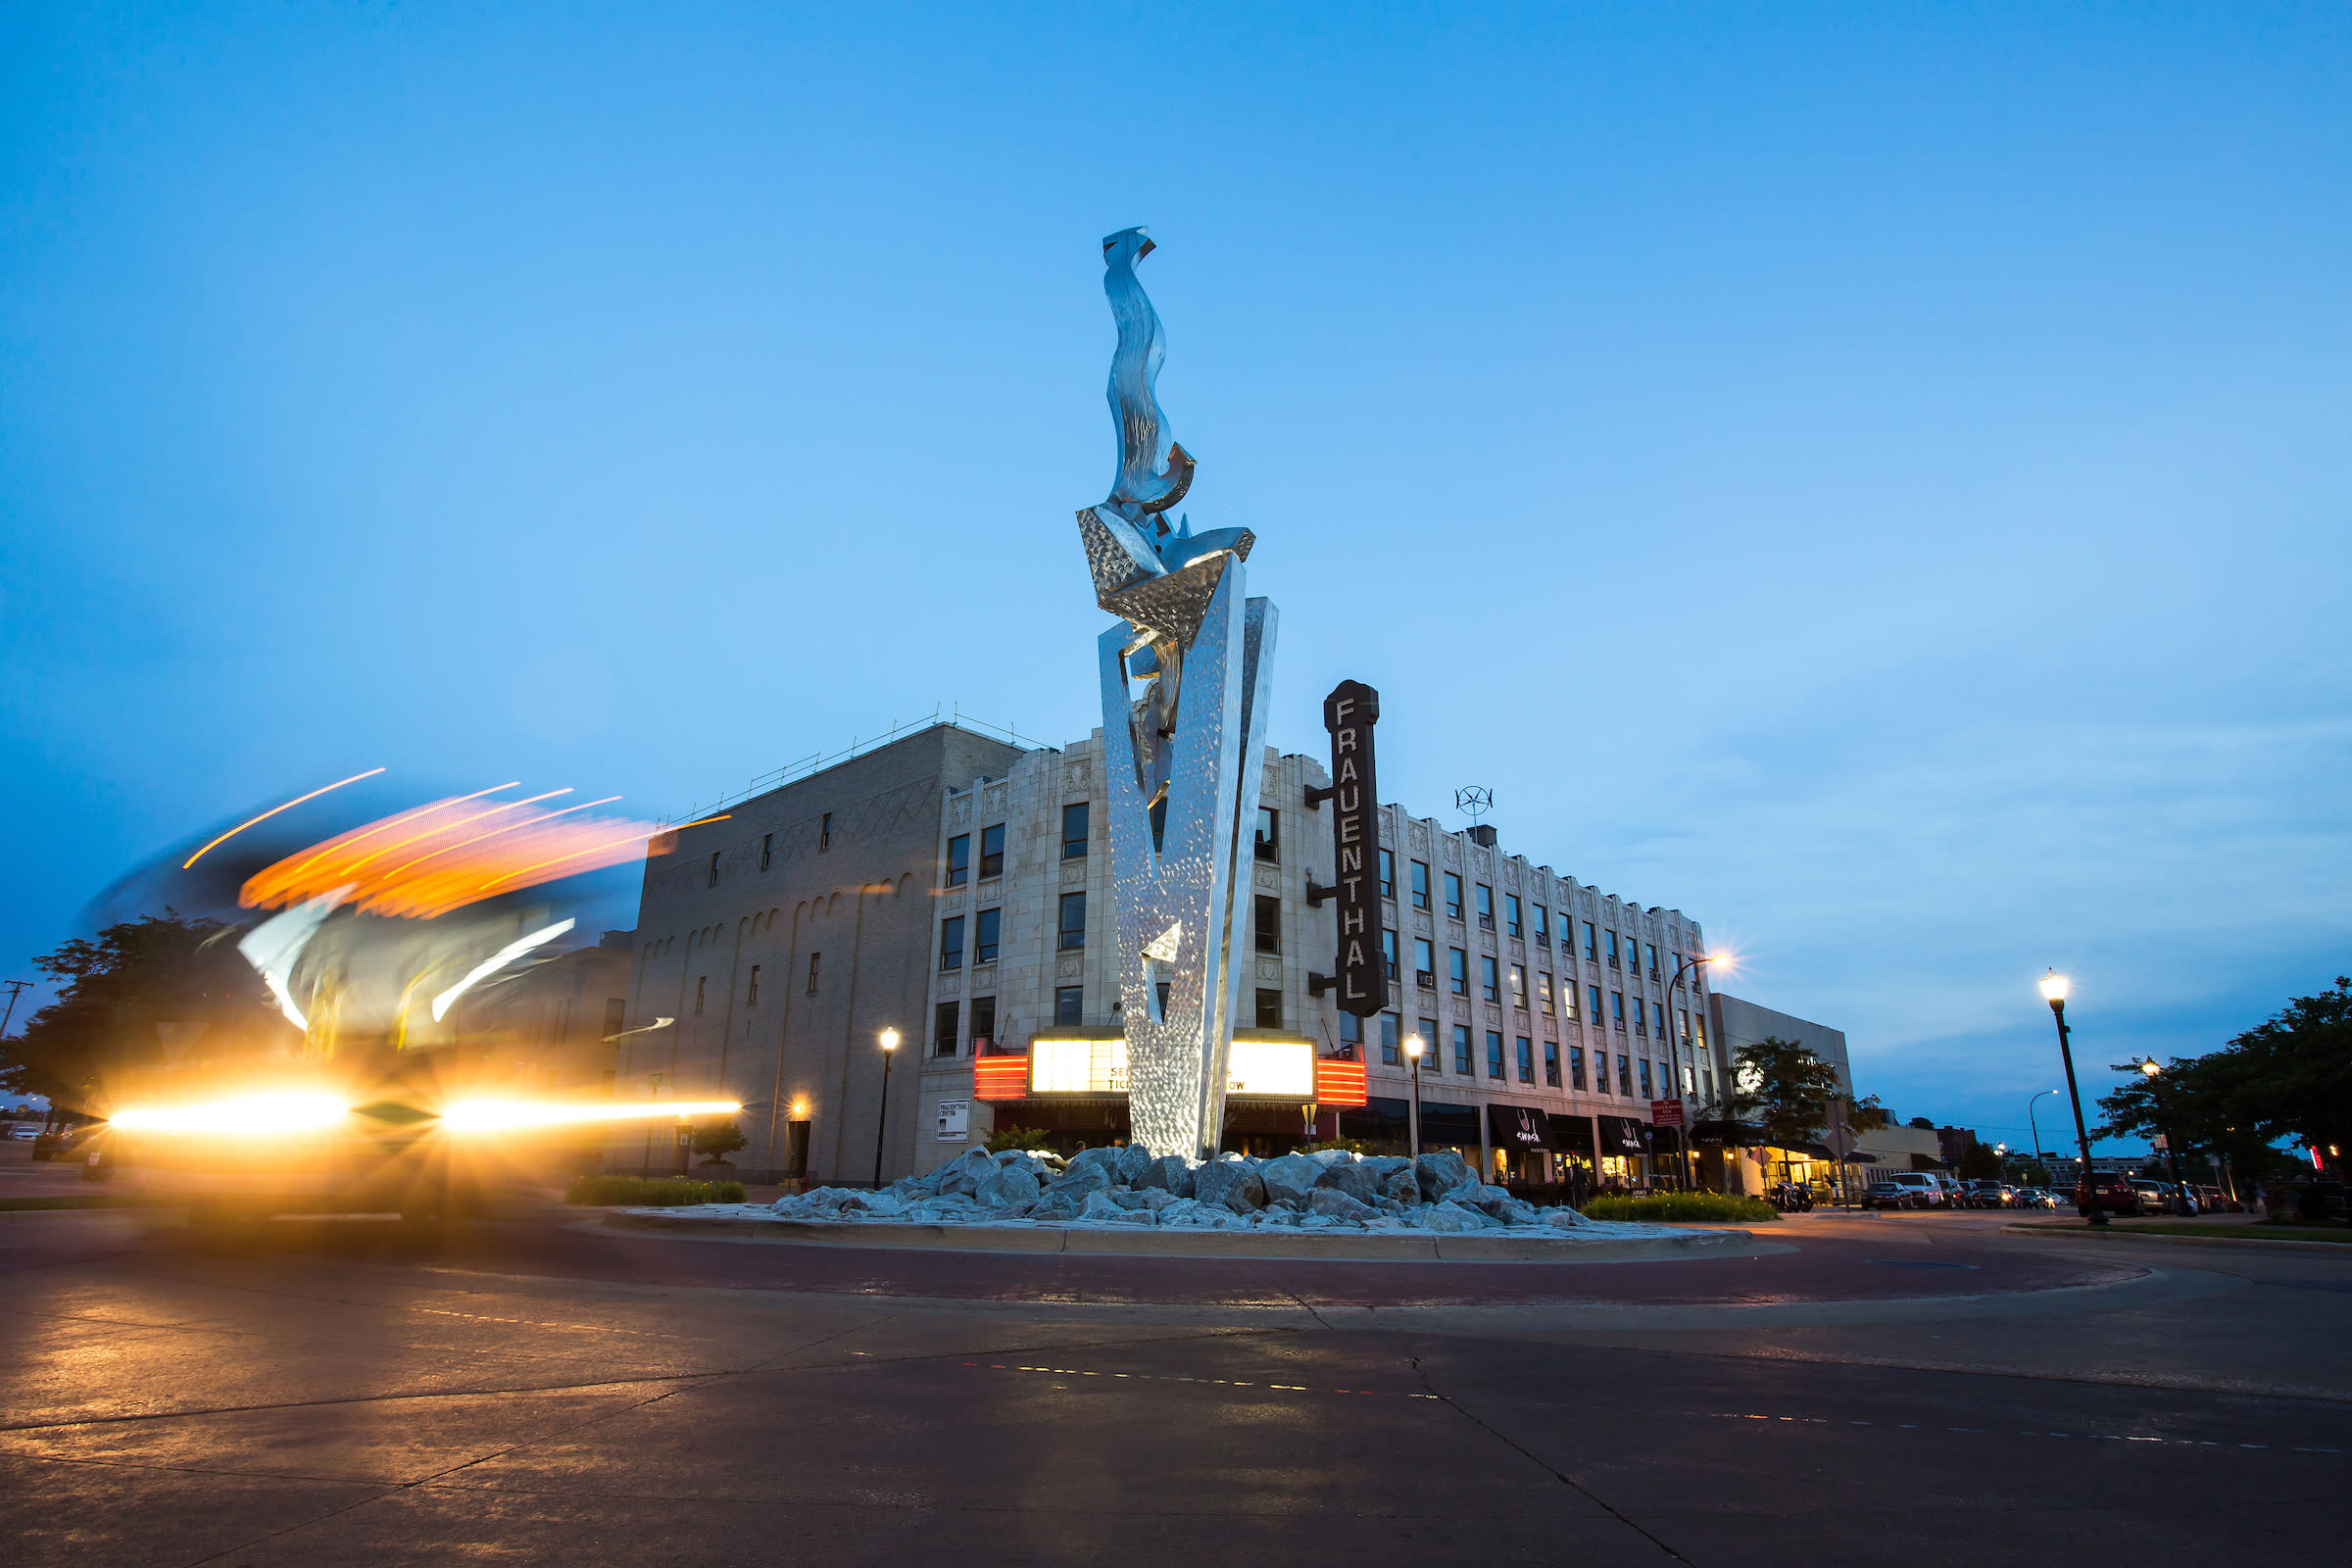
{"x": 1349, "y": 713}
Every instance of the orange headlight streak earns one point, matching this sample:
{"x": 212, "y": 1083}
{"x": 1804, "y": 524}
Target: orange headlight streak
{"x": 273, "y": 812}
{"x": 493, "y": 1115}
{"x": 390, "y": 822}
{"x": 659, "y": 832}
{"x": 454, "y": 862}
{"x": 531, "y": 799}
{"x": 239, "y": 1114}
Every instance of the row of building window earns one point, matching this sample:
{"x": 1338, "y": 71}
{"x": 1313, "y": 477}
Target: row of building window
{"x": 1523, "y": 1056}
{"x": 768, "y": 847}
{"x": 988, "y": 925}
{"x": 1075, "y": 824}
{"x": 1598, "y": 943}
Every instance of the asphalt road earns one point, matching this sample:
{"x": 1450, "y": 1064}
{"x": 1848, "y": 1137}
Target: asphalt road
{"x": 1915, "y": 1389}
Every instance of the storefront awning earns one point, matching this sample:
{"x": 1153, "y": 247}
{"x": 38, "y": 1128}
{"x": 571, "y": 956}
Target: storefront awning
{"x": 1623, "y": 1135}
{"x": 1518, "y": 1127}
{"x": 1725, "y": 1135}
{"x": 1458, "y": 1125}
{"x": 1570, "y": 1135}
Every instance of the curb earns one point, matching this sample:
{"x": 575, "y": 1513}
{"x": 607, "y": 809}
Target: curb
{"x": 2085, "y": 1232}
{"x": 1432, "y": 1246}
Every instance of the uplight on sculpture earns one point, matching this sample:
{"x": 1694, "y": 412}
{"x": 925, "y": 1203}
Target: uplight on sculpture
{"x": 1187, "y": 675}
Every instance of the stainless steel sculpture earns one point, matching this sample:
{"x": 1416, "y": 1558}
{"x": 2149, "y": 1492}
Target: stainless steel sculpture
{"x": 1186, "y": 681}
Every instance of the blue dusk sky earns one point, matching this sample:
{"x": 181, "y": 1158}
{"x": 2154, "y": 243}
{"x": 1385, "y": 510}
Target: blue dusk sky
{"x": 1873, "y": 478}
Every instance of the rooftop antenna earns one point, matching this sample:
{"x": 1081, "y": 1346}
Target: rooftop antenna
{"x": 1473, "y": 801}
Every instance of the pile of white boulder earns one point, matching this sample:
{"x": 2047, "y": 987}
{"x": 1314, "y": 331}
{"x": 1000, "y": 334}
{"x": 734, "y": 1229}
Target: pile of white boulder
{"x": 1328, "y": 1190}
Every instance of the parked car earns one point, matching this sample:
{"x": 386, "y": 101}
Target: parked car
{"x": 2110, "y": 1194}
{"x": 1991, "y": 1194}
{"x": 2216, "y": 1201}
{"x": 1904, "y": 1189}
{"x": 2036, "y": 1198}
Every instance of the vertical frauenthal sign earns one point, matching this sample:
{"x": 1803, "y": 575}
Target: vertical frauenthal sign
{"x": 1350, "y": 712}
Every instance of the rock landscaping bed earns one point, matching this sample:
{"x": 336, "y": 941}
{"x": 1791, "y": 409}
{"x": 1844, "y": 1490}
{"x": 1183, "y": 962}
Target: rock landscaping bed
{"x": 1331, "y": 1190}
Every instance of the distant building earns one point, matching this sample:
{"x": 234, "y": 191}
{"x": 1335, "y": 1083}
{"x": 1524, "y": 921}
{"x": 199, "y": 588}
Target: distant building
{"x": 956, "y": 888}
{"x": 1740, "y": 1023}
{"x": 1534, "y": 992}
{"x": 780, "y": 942}
{"x": 1952, "y": 1144}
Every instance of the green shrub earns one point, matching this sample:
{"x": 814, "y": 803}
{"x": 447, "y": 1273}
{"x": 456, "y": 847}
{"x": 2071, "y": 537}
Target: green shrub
{"x": 1668, "y": 1208}
{"x": 651, "y": 1192}
{"x": 1005, "y": 1137}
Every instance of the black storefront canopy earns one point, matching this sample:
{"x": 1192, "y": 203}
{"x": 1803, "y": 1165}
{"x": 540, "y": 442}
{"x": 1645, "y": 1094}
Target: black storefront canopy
{"x": 1623, "y": 1135}
{"x": 1572, "y": 1135}
{"x": 1725, "y": 1135}
{"x": 1449, "y": 1124}
{"x": 1520, "y": 1127}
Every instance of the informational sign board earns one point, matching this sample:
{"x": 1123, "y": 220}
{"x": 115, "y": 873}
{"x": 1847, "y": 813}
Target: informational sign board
{"x": 955, "y": 1121}
{"x": 1350, "y": 712}
{"x": 1665, "y": 1113}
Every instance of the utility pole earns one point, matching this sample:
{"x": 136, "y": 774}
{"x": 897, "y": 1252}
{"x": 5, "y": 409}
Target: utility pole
{"x": 16, "y": 989}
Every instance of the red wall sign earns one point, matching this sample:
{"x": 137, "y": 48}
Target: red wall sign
{"x": 999, "y": 1077}
{"x": 1339, "y": 1083}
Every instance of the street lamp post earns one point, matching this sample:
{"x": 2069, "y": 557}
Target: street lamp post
{"x": 890, "y": 1049}
{"x": 2053, "y": 991}
{"x": 1674, "y": 1066}
{"x": 2036, "y": 1126}
{"x": 2171, "y": 1133}
{"x": 1414, "y": 1045}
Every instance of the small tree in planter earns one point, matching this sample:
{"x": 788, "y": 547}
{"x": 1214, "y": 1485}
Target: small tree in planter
{"x": 715, "y": 1141}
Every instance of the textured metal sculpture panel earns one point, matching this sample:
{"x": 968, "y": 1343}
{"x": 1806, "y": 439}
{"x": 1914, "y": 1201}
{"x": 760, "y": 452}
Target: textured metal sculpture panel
{"x": 1187, "y": 678}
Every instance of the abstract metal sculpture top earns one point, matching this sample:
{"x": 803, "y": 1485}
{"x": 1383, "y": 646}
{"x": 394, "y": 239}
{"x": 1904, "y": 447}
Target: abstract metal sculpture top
{"x": 1153, "y": 471}
{"x": 1181, "y": 760}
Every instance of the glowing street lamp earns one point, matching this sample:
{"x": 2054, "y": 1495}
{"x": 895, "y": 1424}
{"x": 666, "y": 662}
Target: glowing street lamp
{"x": 2053, "y": 991}
{"x": 1414, "y": 1046}
{"x": 890, "y": 1049}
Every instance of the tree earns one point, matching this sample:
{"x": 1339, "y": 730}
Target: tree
{"x": 1923, "y": 1124}
{"x": 137, "y": 995}
{"x": 2288, "y": 1077}
{"x": 1980, "y": 1163}
{"x": 1786, "y": 1088}
{"x": 715, "y": 1138}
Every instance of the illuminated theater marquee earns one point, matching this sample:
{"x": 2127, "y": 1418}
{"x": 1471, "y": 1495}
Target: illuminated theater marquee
{"x": 1256, "y": 1069}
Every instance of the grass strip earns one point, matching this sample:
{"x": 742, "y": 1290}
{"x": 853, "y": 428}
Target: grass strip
{"x": 651, "y": 1192}
{"x": 17, "y": 1205}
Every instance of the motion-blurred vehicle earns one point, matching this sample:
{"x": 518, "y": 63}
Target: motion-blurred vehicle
{"x": 371, "y": 1059}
